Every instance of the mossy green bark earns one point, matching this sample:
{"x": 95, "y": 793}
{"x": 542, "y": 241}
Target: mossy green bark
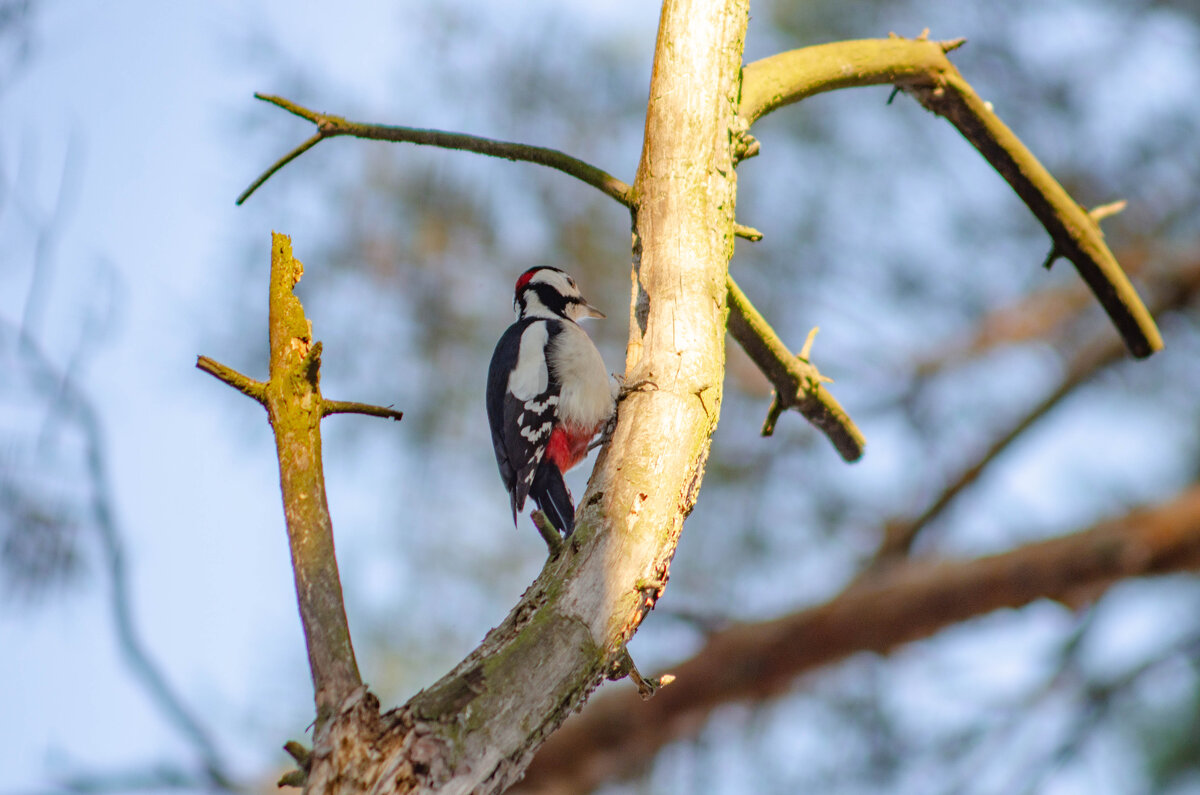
{"x": 293, "y": 402}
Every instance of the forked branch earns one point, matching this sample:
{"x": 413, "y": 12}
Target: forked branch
{"x": 292, "y": 398}
{"x": 330, "y": 126}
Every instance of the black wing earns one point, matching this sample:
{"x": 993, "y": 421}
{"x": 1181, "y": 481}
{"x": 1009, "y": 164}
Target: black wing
{"x": 521, "y": 426}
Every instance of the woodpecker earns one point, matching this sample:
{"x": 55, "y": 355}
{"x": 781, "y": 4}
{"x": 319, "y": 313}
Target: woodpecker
{"x": 548, "y": 393}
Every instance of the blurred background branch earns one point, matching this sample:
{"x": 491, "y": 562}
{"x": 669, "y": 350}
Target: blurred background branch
{"x": 42, "y": 541}
{"x": 757, "y": 661}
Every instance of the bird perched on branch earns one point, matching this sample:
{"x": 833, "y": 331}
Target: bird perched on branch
{"x": 548, "y": 393}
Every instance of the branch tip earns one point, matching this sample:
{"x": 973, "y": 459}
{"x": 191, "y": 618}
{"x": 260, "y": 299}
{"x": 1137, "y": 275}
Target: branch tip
{"x": 292, "y": 778}
{"x": 297, "y": 751}
{"x": 623, "y": 666}
{"x": 747, "y": 232}
{"x": 280, "y": 163}
{"x": 242, "y": 383}
{"x": 290, "y": 107}
{"x": 806, "y": 351}
{"x": 1103, "y": 211}
{"x": 1051, "y": 258}
{"x": 350, "y": 407}
{"x": 773, "y": 415}
{"x": 549, "y": 533}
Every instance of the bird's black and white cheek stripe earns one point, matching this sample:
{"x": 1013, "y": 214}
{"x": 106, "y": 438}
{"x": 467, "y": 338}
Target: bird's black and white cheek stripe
{"x": 551, "y": 293}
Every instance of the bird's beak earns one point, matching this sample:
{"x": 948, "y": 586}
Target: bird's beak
{"x": 587, "y": 310}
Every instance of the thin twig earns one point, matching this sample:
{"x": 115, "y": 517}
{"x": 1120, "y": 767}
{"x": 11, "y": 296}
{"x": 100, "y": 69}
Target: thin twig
{"x": 280, "y": 163}
{"x": 330, "y": 126}
{"x": 242, "y": 383}
{"x": 900, "y": 536}
{"x": 1097, "y": 214}
{"x": 350, "y": 407}
{"x": 748, "y": 232}
{"x": 647, "y": 686}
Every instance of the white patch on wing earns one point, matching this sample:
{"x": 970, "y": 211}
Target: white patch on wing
{"x": 530, "y": 378}
{"x": 532, "y": 470}
{"x": 538, "y": 408}
{"x": 533, "y": 434}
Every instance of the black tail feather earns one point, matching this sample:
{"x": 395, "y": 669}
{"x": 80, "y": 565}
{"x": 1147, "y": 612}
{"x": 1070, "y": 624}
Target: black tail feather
{"x": 554, "y": 498}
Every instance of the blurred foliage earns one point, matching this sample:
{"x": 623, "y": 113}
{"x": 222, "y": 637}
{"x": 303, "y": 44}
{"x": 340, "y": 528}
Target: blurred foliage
{"x": 38, "y": 547}
{"x": 16, "y": 39}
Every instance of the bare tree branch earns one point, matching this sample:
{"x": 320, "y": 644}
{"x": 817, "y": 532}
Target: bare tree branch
{"x": 1173, "y": 293}
{"x": 921, "y": 68}
{"x": 292, "y": 397}
{"x": 330, "y": 126}
{"x": 798, "y": 383}
{"x": 257, "y": 391}
{"x": 618, "y": 734}
{"x": 67, "y": 403}
{"x": 350, "y": 407}
{"x": 570, "y": 629}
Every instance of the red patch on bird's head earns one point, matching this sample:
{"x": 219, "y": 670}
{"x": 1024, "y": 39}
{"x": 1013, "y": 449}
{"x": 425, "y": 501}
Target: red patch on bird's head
{"x": 525, "y": 277}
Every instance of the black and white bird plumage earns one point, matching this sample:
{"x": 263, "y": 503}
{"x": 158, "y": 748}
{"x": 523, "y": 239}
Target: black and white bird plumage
{"x": 548, "y": 393}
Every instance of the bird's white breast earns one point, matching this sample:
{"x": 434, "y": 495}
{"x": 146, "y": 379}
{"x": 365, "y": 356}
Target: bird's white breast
{"x": 586, "y": 399}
